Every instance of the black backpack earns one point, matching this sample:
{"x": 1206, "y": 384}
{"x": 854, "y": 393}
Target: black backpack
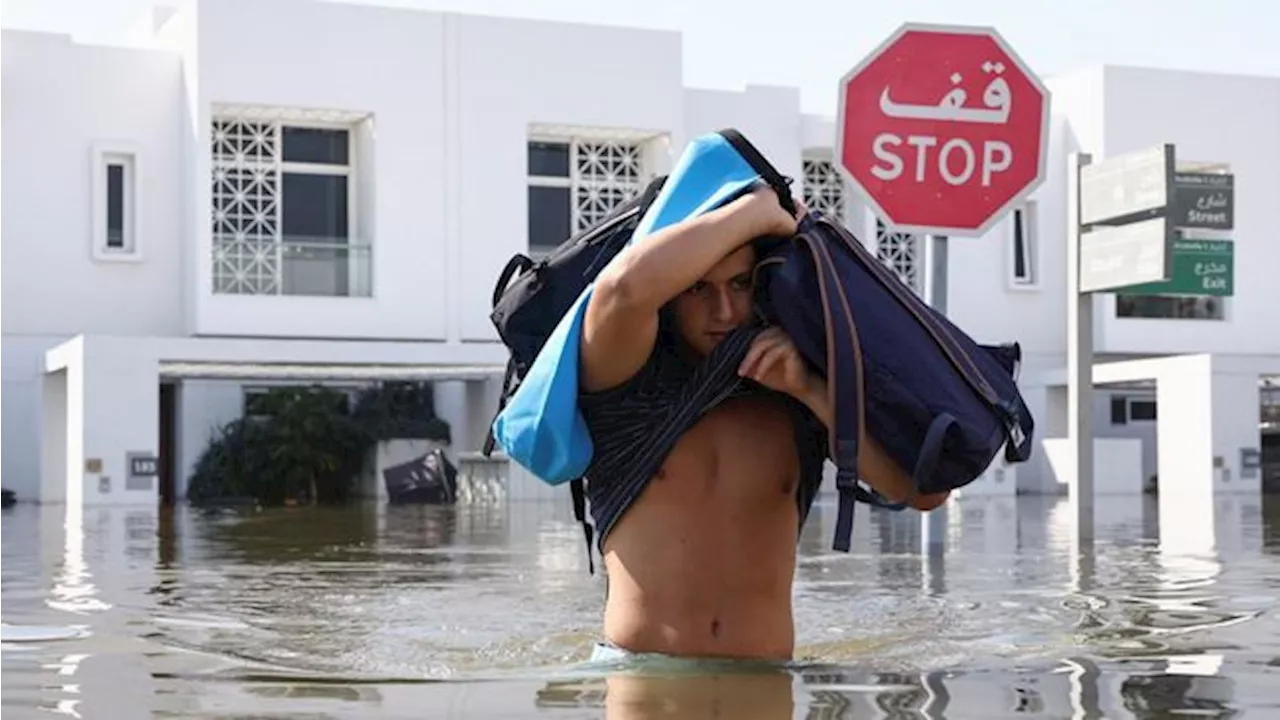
{"x": 526, "y": 311}
{"x": 531, "y": 297}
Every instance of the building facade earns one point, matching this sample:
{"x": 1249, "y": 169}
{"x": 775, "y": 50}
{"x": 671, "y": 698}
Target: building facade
{"x": 250, "y": 186}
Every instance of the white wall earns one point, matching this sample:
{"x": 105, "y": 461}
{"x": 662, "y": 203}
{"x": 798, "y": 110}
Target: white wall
{"x": 507, "y": 74}
{"x": 361, "y": 59}
{"x": 768, "y": 116}
{"x": 58, "y": 100}
{"x": 981, "y": 297}
{"x": 1143, "y": 430}
{"x": 23, "y": 359}
{"x": 451, "y": 119}
{"x": 1117, "y": 464}
{"x": 109, "y": 401}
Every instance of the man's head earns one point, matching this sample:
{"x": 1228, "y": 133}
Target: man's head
{"x": 718, "y": 303}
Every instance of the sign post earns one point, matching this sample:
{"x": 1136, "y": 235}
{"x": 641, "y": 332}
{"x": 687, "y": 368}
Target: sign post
{"x": 1126, "y": 217}
{"x": 1118, "y": 235}
{"x": 1079, "y": 360}
{"x": 942, "y": 129}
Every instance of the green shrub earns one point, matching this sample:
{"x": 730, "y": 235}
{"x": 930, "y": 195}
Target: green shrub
{"x": 400, "y": 410}
{"x": 302, "y": 444}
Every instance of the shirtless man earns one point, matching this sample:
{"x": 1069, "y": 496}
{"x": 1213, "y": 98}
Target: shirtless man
{"x": 700, "y": 544}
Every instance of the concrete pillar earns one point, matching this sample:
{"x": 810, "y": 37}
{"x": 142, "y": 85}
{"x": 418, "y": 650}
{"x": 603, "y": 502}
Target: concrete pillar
{"x": 100, "y": 404}
{"x": 54, "y": 451}
{"x": 1038, "y": 476}
{"x": 204, "y": 406}
{"x": 121, "y": 402}
{"x": 451, "y": 406}
{"x": 468, "y": 406}
{"x": 482, "y": 405}
{"x": 1236, "y": 403}
{"x": 1205, "y": 419}
{"x": 62, "y": 424}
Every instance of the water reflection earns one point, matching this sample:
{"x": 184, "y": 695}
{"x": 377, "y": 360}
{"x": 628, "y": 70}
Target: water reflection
{"x": 1078, "y": 688}
{"x": 487, "y": 609}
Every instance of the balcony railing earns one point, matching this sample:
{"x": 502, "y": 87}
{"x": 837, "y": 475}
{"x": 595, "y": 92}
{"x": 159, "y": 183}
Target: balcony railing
{"x": 291, "y": 265}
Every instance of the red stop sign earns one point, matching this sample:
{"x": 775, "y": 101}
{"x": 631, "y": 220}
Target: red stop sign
{"x": 942, "y": 129}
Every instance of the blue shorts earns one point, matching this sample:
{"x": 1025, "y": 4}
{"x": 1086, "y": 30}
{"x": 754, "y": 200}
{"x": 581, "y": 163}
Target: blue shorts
{"x": 607, "y": 656}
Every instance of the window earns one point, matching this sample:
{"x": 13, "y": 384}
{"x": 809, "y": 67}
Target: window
{"x": 1270, "y": 406}
{"x": 902, "y": 253}
{"x": 1169, "y": 307}
{"x": 115, "y": 203}
{"x": 824, "y": 187}
{"x": 575, "y": 183}
{"x": 1132, "y": 409}
{"x": 1119, "y": 410}
{"x": 550, "y": 195}
{"x": 1142, "y": 409}
{"x": 1022, "y": 250}
{"x": 283, "y": 209}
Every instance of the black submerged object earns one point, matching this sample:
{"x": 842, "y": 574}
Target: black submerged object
{"x": 429, "y": 479}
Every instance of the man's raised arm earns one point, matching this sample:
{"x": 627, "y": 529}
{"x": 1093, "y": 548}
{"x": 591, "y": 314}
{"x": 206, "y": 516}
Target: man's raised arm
{"x": 621, "y": 321}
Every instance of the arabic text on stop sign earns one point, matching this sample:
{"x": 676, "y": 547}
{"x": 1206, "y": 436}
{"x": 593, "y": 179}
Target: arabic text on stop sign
{"x": 997, "y": 156}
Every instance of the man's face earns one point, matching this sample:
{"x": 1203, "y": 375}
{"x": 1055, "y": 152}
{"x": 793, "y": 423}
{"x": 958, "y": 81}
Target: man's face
{"x": 718, "y": 303}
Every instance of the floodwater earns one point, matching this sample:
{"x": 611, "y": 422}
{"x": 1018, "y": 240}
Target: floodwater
{"x": 483, "y": 610}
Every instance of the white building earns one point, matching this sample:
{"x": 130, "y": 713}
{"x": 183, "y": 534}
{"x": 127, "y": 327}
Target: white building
{"x": 256, "y": 185}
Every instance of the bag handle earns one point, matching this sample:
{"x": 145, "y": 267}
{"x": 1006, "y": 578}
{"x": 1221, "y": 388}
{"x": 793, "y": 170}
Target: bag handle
{"x": 776, "y": 180}
{"x": 517, "y": 263}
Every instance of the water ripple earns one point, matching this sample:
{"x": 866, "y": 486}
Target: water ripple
{"x": 490, "y": 611}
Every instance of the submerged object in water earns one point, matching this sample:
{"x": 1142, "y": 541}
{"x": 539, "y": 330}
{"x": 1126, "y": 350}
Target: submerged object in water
{"x": 428, "y": 479}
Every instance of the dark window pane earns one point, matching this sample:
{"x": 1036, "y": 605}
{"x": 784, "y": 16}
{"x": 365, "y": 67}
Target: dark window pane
{"x": 1142, "y": 410}
{"x": 1168, "y": 306}
{"x": 314, "y": 207}
{"x": 548, "y": 216}
{"x": 1019, "y": 245}
{"x": 315, "y": 145}
{"x": 1119, "y": 411}
{"x": 549, "y": 159}
{"x": 115, "y": 205}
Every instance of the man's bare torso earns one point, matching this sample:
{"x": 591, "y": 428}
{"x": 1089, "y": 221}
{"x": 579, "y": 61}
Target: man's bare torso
{"x": 702, "y": 563}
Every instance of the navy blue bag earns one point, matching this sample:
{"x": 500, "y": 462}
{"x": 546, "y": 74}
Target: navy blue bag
{"x": 940, "y": 404}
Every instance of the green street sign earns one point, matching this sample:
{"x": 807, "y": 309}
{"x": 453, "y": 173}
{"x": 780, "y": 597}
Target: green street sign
{"x": 1200, "y": 267}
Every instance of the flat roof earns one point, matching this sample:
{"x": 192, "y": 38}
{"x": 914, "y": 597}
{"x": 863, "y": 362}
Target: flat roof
{"x": 211, "y": 370}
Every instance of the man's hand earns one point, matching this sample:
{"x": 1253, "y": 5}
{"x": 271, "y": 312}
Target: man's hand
{"x": 774, "y": 362}
{"x": 767, "y": 214}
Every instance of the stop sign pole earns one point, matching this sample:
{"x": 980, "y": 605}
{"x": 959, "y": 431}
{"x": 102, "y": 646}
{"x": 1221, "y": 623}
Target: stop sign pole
{"x": 942, "y": 129}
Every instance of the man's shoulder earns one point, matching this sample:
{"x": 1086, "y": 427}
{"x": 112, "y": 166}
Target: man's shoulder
{"x": 646, "y": 383}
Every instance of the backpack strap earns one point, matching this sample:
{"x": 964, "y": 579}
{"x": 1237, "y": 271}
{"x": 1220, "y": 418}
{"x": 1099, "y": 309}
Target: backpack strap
{"x": 579, "y": 494}
{"x": 768, "y": 173}
{"x": 507, "y": 380}
{"x": 517, "y": 264}
{"x": 844, "y": 381}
